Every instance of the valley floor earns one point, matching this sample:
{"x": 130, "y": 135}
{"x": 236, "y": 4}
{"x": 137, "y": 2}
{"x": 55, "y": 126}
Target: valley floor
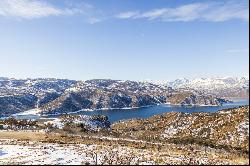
{"x": 43, "y": 148}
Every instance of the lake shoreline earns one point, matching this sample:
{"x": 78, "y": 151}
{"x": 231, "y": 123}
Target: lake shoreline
{"x": 134, "y": 108}
{"x": 115, "y": 114}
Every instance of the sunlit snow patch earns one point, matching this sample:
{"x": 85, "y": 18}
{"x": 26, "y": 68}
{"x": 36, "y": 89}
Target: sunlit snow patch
{"x": 30, "y": 114}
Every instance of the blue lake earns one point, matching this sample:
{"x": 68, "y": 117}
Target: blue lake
{"x": 145, "y": 112}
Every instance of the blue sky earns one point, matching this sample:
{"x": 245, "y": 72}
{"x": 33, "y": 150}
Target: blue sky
{"x": 124, "y": 39}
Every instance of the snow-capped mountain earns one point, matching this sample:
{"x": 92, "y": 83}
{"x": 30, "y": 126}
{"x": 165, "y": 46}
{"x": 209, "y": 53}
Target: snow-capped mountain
{"x": 32, "y": 86}
{"x": 63, "y": 96}
{"x": 223, "y": 87}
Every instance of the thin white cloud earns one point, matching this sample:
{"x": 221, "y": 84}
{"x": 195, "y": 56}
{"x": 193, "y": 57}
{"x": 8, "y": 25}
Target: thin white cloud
{"x": 238, "y": 50}
{"x": 33, "y": 9}
{"x": 227, "y": 11}
{"x": 28, "y": 9}
{"x": 215, "y": 11}
{"x": 127, "y": 15}
{"x": 207, "y": 11}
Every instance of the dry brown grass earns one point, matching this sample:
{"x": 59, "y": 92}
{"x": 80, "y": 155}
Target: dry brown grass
{"x": 165, "y": 150}
{"x": 29, "y": 135}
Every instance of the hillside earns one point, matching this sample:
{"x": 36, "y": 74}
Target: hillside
{"x": 62, "y": 96}
{"x": 226, "y": 128}
{"x": 173, "y": 138}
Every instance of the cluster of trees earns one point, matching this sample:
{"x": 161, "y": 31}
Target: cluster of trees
{"x": 15, "y": 123}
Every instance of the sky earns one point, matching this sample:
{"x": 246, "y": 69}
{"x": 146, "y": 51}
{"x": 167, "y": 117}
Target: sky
{"x": 124, "y": 39}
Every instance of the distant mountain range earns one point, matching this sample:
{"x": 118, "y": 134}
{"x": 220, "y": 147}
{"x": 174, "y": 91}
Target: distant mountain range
{"x": 220, "y": 87}
{"x": 62, "y": 96}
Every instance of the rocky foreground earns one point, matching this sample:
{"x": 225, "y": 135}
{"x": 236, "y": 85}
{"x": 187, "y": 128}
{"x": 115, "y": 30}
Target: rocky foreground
{"x": 171, "y": 138}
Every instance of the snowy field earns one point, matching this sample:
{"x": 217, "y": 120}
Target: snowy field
{"x": 45, "y": 154}
{"x": 32, "y": 153}
{"x": 38, "y": 153}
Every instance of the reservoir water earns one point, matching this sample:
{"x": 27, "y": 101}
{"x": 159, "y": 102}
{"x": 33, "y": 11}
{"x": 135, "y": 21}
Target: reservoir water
{"x": 145, "y": 112}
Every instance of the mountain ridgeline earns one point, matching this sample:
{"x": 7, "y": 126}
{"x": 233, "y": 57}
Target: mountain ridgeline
{"x": 62, "y": 96}
{"x": 227, "y": 87}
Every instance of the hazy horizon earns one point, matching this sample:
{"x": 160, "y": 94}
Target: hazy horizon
{"x": 190, "y": 78}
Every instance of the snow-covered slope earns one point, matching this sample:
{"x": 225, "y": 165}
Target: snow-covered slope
{"x": 11, "y": 86}
{"x": 63, "y": 96}
{"x": 223, "y": 87}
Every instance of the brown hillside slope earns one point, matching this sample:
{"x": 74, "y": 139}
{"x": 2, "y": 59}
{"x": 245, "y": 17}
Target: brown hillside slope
{"x": 226, "y": 128}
